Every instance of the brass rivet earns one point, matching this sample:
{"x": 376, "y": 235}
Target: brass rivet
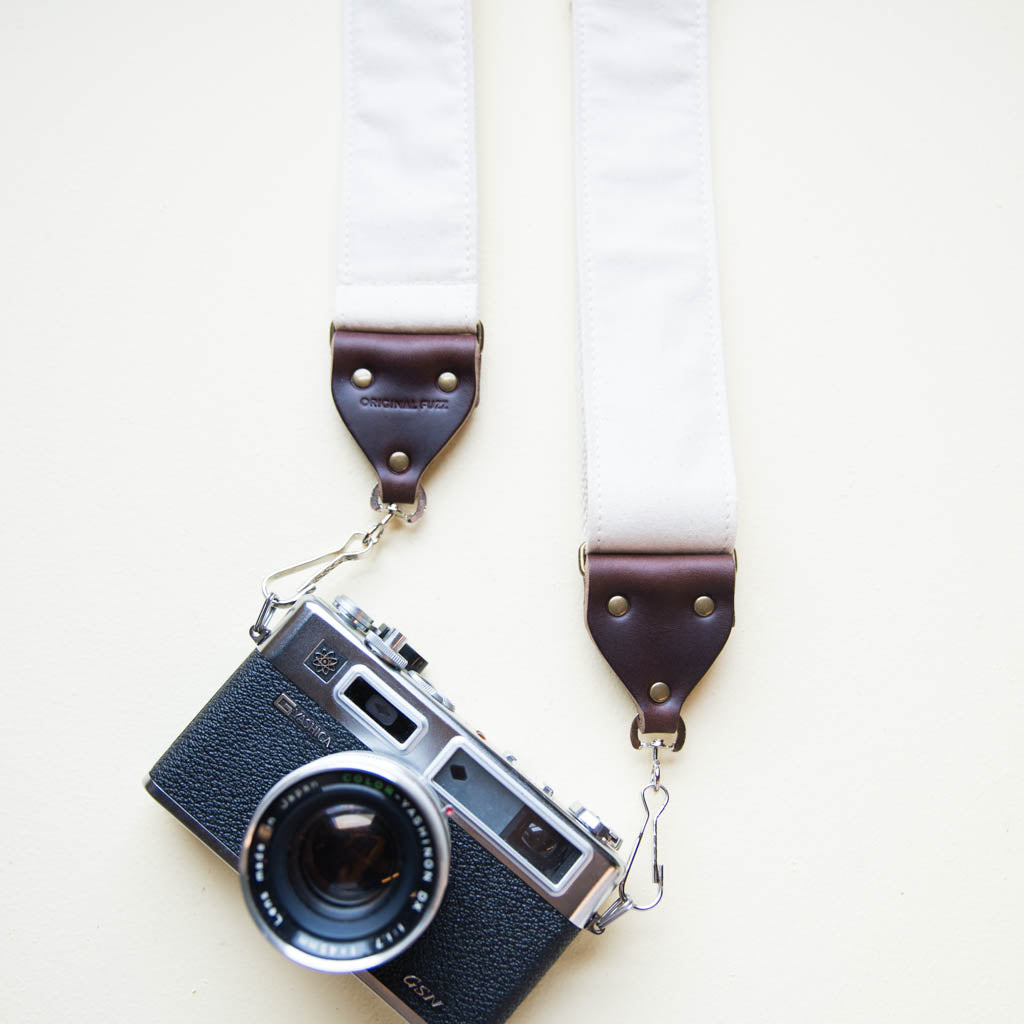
{"x": 618, "y": 605}
{"x": 704, "y": 606}
{"x": 362, "y": 378}
{"x": 398, "y": 462}
{"x": 447, "y": 381}
{"x": 659, "y": 692}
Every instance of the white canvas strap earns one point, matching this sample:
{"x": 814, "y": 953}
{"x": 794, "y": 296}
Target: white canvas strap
{"x": 658, "y": 471}
{"x": 659, "y": 483}
{"x": 407, "y": 245}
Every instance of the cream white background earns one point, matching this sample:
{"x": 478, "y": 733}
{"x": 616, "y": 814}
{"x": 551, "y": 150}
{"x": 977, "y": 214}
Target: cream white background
{"x": 845, "y": 836}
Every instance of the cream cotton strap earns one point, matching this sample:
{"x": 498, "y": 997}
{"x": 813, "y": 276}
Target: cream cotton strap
{"x": 407, "y": 241}
{"x": 405, "y": 335}
{"x": 659, "y": 482}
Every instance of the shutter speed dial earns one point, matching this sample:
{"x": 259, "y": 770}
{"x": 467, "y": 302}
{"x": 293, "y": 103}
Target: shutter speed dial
{"x": 392, "y": 645}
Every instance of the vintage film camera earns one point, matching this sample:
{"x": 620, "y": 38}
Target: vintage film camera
{"x": 374, "y": 832}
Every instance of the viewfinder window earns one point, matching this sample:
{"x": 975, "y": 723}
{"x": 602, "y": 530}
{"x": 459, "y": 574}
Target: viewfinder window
{"x": 380, "y": 709}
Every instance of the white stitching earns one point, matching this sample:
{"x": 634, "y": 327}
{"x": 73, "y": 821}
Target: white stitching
{"x": 589, "y": 353}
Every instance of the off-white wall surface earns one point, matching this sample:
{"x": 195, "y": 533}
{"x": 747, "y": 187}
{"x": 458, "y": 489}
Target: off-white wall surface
{"x": 844, "y": 841}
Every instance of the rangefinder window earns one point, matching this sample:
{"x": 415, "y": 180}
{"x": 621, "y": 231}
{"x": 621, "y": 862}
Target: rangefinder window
{"x": 530, "y": 836}
{"x": 380, "y": 709}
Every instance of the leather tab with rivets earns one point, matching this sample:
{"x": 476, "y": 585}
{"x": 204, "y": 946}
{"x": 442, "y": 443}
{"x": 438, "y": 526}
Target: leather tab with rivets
{"x": 660, "y": 621}
{"x": 395, "y": 393}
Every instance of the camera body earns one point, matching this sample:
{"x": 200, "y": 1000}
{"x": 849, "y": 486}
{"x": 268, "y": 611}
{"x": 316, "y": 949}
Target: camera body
{"x": 331, "y": 725}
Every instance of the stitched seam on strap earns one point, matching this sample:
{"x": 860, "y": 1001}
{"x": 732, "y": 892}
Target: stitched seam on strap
{"x": 590, "y": 422}
{"x": 351, "y": 98}
{"x": 714, "y": 337}
{"x": 467, "y": 129}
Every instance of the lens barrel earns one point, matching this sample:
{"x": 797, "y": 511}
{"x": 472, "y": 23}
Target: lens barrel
{"x": 345, "y": 862}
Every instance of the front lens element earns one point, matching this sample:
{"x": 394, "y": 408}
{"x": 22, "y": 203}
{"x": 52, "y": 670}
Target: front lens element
{"x": 346, "y": 861}
{"x": 348, "y": 855}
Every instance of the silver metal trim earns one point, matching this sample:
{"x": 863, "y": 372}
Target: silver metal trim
{"x": 412, "y": 784}
{"x": 463, "y": 815}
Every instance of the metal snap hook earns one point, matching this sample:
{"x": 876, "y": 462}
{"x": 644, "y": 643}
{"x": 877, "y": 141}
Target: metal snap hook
{"x": 651, "y": 820}
{"x": 624, "y": 902}
{"x": 651, "y": 793}
{"x": 359, "y": 544}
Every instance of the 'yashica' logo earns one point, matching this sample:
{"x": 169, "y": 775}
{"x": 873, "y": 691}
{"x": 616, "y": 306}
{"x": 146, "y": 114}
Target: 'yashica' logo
{"x": 324, "y": 661}
{"x": 291, "y": 710}
{"x": 284, "y": 704}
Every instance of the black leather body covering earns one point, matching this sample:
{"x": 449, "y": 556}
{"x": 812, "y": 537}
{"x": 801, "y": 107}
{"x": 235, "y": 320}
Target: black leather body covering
{"x": 493, "y": 937}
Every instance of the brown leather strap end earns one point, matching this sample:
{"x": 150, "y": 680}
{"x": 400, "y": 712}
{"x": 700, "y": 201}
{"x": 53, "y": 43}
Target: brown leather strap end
{"x": 660, "y": 621}
{"x": 403, "y": 397}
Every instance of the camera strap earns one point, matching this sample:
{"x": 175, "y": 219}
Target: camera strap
{"x": 405, "y": 336}
{"x": 659, "y": 483}
{"x": 658, "y": 551}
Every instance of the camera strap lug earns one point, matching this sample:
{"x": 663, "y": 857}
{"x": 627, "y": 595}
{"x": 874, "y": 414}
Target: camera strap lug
{"x": 660, "y": 620}
{"x": 403, "y": 397}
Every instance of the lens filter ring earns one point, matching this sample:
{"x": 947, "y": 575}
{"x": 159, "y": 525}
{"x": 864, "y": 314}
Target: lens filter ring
{"x": 345, "y": 862}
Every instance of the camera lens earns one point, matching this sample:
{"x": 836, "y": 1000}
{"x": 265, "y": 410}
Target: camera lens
{"x": 348, "y": 855}
{"x": 345, "y": 861}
